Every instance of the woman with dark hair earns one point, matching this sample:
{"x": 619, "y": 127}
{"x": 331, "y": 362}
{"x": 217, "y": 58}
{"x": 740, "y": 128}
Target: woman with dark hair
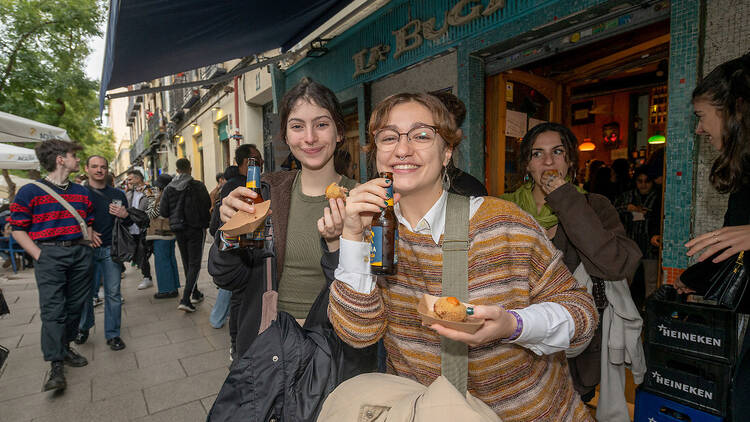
{"x": 585, "y": 227}
{"x": 532, "y": 306}
{"x": 312, "y": 126}
{"x": 602, "y": 183}
{"x": 721, "y": 102}
{"x": 622, "y": 180}
{"x": 165, "y": 262}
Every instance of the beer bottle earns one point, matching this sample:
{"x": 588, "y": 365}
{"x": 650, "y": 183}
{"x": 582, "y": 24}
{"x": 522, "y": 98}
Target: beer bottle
{"x": 384, "y": 236}
{"x": 257, "y": 237}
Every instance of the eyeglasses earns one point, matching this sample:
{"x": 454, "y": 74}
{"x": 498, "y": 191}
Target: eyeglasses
{"x": 420, "y": 138}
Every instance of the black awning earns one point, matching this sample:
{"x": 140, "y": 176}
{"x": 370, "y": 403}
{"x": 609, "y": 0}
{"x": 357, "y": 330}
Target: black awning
{"x": 148, "y": 39}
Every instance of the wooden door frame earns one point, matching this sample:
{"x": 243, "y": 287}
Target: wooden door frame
{"x": 495, "y": 113}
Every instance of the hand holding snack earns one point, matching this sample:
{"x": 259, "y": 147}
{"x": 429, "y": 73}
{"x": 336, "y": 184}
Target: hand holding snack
{"x": 498, "y": 324}
{"x": 334, "y": 191}
{"x": 551, "y": 180}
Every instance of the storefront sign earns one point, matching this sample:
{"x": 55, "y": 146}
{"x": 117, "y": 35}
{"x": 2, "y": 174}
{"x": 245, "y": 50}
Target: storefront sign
{"x": 413, "y": 34}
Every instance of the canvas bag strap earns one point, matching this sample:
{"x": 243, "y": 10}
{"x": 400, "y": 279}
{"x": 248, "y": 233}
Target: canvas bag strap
{"x": 68, "y": 207}
{"x": 454, "y": 355}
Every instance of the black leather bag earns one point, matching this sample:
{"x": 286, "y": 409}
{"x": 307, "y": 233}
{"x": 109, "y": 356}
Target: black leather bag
{"x": 728, "y": 286}
{"x": 123, "y": 244}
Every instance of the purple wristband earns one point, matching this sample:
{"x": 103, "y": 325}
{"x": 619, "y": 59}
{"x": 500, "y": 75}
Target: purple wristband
{"x": 519, "y": 327}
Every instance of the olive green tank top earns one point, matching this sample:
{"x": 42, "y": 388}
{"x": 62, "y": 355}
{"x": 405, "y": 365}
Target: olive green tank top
{"x": 302, "y": 278}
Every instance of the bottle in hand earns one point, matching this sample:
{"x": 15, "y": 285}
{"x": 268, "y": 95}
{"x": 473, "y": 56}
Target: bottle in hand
{"x": 384, "y": 236}
{"x": 255, "y": 239}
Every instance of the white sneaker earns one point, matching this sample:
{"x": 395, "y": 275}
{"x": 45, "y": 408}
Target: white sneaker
{"x": 101, "y": 294}
{"x": 145, "y": 284}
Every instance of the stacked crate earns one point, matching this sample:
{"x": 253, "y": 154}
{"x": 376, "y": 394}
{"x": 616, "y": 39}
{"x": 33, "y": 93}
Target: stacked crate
{"x": 691, "y": 351}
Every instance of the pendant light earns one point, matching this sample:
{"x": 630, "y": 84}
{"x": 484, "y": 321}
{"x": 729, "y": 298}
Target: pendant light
{"x": 587, "y": 145}
{"x": 657, "y": 139}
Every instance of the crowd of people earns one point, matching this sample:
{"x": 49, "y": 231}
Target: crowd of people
{"x": 545, "y": 264}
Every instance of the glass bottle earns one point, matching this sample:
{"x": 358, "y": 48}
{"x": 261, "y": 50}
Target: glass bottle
{"x": 384, "y": 236}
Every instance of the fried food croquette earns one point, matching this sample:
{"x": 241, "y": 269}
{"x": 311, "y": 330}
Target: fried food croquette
{"x": 550, "y": 173}
{"x": 449, "y": 308}
{"x": 334, "y": 191}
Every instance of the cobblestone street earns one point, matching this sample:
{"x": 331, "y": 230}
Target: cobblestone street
{"x": 171, "y": 369}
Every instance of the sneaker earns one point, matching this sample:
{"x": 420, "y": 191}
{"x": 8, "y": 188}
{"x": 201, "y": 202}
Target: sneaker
{"x": 74, "y": 359}
{"x": 56, "y": 380}
{"x": 98, "y": 301}
{"x": 187, "y": 307}
{"x": 166, "y": 295}
{"x": 116, "y": 343}
{"x": 81, "y": 337}
{"x": 145, "y": 284}
{"x": 101, "y": 294}
{"x": 196, "y": 297}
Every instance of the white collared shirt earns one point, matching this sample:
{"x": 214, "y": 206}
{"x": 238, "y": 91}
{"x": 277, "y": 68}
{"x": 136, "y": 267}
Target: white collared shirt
{"x": 547, "y": 327}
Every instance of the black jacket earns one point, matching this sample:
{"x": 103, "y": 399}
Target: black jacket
{"x": 185, "y": 193}
{"x": 289, "y": 371}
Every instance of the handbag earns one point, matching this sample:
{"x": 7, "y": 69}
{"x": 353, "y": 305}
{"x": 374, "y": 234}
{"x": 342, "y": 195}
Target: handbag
{"x": 728, "y": 285}
{"x": 123, "y": 245}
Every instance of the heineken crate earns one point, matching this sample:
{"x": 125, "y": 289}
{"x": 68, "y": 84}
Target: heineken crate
{"x": 703, "y": 331}
{"x": 651, "y": 407}
{"x": 695, "y": 382}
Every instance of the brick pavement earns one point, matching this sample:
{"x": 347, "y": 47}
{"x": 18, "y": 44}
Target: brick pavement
{"x": 171, "y": 370}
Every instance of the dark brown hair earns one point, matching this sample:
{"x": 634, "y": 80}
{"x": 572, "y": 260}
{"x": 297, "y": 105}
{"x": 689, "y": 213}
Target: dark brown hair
{"x": 314, "y": 93}
{"x": 444, "y": 120}
{"x": 728, "y": 88}
{"x": 454, "y": 105}
{"x": 48, "y": 151}
{"x": 569, "y": 142}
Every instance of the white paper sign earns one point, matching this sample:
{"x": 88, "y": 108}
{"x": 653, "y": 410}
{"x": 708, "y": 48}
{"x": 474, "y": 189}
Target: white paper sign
{"x": 515, "y": 124}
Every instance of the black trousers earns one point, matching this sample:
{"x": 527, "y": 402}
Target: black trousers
{"x": 148, "y": 250}
{"x": 190, "y": 241}
{"x": 63, "y": 277}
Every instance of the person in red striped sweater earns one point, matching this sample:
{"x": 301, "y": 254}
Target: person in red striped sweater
{"x": 533, "y": 308}
{"x": 63, "y": 259}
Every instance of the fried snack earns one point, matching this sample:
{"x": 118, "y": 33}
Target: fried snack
{"x": 334, "y": 191}
{"x": 449, "y": 308}
{"x": 550, "y": 173}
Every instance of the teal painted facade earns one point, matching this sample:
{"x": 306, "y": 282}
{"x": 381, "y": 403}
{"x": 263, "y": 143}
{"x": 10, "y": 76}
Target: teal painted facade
{"x": 374, "y": 42}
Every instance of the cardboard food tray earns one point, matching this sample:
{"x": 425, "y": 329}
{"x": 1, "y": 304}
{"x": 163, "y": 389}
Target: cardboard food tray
{"x": 243, "y": 223}
{"x": 425, "y": 310}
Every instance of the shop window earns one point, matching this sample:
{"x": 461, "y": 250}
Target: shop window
{"x": 223, "y": 131}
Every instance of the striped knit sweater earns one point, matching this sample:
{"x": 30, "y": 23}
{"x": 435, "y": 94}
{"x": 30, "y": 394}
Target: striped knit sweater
{"x": 512, "y": 264}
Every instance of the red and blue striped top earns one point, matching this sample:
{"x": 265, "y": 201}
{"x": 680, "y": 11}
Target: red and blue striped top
{"x": 38, "y": 213}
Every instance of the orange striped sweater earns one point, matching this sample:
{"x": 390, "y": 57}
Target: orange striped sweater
{"x": 512, "y": 264}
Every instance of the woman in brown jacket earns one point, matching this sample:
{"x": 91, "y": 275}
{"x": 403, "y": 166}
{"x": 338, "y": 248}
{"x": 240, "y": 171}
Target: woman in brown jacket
{"x": 584, "y": 226}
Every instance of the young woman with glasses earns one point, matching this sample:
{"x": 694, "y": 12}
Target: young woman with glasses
{"x": 518, "y": 284}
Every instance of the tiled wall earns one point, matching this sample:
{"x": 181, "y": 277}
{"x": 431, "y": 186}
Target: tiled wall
{"x": 683, "y": 75}
{"x": 727, "y": 36}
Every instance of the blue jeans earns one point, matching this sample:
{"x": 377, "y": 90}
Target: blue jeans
{"x": 167, "y": 278}
{"x": 109, "y": 272}
{"x": 221, "y": 309}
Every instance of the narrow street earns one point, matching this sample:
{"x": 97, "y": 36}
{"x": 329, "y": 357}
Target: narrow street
{"x": 171, "y": 369}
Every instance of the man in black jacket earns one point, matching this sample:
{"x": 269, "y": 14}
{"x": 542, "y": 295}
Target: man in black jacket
{"x": 242, "y": 156}
{"x": 186, "y": 203}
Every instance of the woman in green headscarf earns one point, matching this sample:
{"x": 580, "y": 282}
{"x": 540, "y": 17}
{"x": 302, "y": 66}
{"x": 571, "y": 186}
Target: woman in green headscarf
{"x": 585, "y": 227}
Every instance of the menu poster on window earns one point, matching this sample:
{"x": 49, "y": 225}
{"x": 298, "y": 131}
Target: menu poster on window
{"x": 515, "y": 124}
{"x": 533, "y": 122}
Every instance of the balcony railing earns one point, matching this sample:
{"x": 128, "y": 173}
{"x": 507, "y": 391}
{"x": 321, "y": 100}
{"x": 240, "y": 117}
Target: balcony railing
{"x": 157, "y": 126}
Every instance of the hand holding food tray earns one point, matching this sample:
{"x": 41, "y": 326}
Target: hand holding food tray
{"x": 426, "y": 309}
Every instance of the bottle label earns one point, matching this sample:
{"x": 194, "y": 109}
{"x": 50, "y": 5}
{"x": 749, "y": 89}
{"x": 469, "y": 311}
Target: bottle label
{"x": 253, "y": 177}
{"x": 376, "y": 247}
{"x": 389, "y": 194}
{"x": 395, "y": 248}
